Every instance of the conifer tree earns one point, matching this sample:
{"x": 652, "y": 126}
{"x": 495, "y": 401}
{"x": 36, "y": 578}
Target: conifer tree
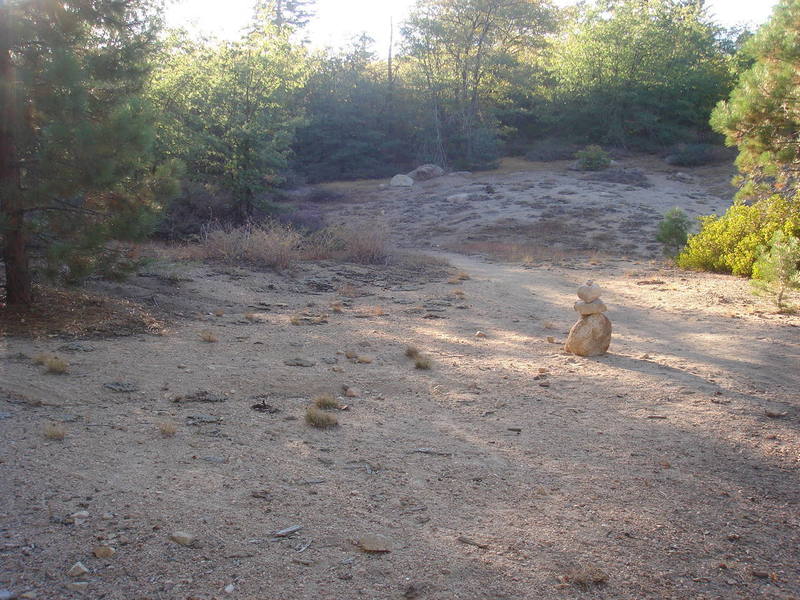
{"x": 75, "y": 167}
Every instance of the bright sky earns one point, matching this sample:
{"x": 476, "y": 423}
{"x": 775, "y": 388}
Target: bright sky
{"x": 337, "y": 21}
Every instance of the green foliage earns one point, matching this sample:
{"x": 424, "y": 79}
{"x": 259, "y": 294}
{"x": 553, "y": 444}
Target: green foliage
{"x": 461, "y": 58}
{"x": 229, "y": 111}
{"x": 358, "y": 124}
{"x": 673, "y": 231}
{"x": 730, "y": 243}
{"x": 79, "y": 126}
{"x": 593, "y": 158}
{"x": 639, "y": 72}
{"x": 776, "y": 269}
{"x": 693, "y": 155}
{"x": 761, "y": 117}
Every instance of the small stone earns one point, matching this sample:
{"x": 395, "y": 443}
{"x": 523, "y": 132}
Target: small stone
{"x": 298, "y": 362}
{"x": 78, "y": 517}
{"x": 543, "y": 370}
{"x": 594, "y": 307}
{"x": 229, "y": 588}
{"x": 551, "y": 339}
{"x": 182, "y": 538}
{"x": 78, "y": 570}
{"x": 351, "y": 392}
{"x": 78, "y": 586}
{"x": 104, "y": 551}
{"x": 375, "y": 542}
{"x": 480, "y": 334}
{"x": 31, "y": 595}
{"x": 590, "y": 336}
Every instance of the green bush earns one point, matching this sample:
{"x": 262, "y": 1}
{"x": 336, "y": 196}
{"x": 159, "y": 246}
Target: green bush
{"x": 550, "y": 149}
{"x": 593, "y": 158}
{"x": 693, "y": 155}
{"x": 673, "y": 231}
{"x": 776, "y": 269}
{"x": 731, "y": 243}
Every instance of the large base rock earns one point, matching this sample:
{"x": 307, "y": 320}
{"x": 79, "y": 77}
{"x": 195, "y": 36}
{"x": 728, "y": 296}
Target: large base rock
{"x": 426, "y": 172}
{"x": 590, "y": 336}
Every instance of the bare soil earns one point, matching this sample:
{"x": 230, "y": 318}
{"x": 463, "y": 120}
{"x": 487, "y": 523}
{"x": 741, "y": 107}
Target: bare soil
{"x": 509, "y": 469}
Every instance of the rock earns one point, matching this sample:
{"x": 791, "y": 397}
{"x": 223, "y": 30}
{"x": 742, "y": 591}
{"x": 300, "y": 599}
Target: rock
{"x": 4, "y": 415}
{"x": 401, "y": 181}
{"x": 298, "y": 362}
{"x": 104, "y": 551}
{"x": 473, "y": 197}
{"x": 31, "y": 595}
{"x": 78, "y": 586}
{"x": 201, "y": 419}
{"x": 590, "y": 308}
{"x": 78, "y": 518}
{"x": 229, "y": 588}
{"x": 182, "y": 538}
{"x": 7, "y": 595}
{"x": 480, "y": 334}
{"x": 351, "y": 392}
{"x": 425, "y": 172}
{"x": 589, "y": 292}
{"x": 78, "y": 570}
{"x": 590, "y": 336}
{"x": 374, "y": 542}
{"x": 122, "y": 387}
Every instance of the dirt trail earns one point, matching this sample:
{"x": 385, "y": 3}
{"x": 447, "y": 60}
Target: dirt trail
{"x": 508, "y": 470}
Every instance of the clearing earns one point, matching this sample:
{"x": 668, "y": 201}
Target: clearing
{"x": 509, "y": 469}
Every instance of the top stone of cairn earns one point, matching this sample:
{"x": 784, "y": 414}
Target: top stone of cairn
{"x": 589, "y": 292}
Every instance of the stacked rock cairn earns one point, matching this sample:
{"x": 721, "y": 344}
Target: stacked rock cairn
{"x": 591, "y": 335}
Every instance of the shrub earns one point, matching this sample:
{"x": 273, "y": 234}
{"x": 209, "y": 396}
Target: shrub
{"x": 551, "y": 149}
{"x": 695, "y": 155}
{"x": 673, "y": 231}
{"x": 267, "y": 245}
{"x": 730, "y": 243}
{"x": 776, "y": 269}
{"x": 593, "y": 158}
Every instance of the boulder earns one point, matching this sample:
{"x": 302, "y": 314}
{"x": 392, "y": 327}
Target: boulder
{"x": 401, "y": 181}
{"x": 425, "y": 172}
{"x": 590, "y": 308}
{"x": 590, "y": 336}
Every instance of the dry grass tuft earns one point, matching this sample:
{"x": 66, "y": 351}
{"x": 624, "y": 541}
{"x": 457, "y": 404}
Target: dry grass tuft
{"x": 337, "y": 307}
{"x": 549, "y": 325}
{"x": 423, "y": 363}
{"x": 167, "y": 428}
{"x": 585, "y": 576}
{"x": 54, "y": 431}
{"x": 326, "y": 402}
{"x": 219, "y": 313}
{"x": 375, "y": 311}
{"x": 208, "y": 336}
{"x": 412, "y": 351}
{"x": 269, "y": 245}
{"x": 52, "y": 363}
{"x": 348, "y": 290}
{"x": 351, "y": 354}
{"x": 320, "y": 419}
{"x": 459, "y": 294}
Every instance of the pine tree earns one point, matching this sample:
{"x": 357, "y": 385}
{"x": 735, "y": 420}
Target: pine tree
{"x": 75, "y": 138}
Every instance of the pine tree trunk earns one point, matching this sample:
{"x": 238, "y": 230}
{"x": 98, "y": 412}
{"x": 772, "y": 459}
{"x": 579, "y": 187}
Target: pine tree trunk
{"x": 15, "y": 252}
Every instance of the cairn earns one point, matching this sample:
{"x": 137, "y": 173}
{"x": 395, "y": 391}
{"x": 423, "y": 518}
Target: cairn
{"x": 591, "y": 335}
